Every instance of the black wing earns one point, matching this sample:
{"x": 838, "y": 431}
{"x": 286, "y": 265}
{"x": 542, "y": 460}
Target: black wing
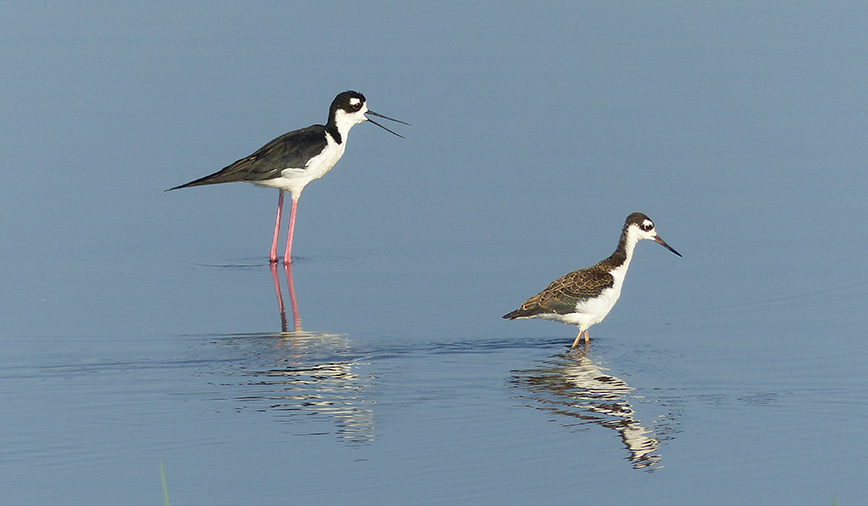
{"x": 291, "y": 150}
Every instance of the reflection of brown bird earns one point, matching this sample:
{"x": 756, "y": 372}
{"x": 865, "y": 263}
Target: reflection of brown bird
{"x": 579, "y": 391}
{"x": 584, "y": 297}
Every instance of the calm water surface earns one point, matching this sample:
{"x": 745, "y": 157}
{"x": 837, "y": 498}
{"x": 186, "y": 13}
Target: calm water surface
{"x": 425, "y": 412}
{"x": 140, "y": 327}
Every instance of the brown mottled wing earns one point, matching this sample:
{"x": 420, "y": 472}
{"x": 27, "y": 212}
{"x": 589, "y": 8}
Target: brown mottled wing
{"x": 563, "y": 293}
{"x": 289, "y": 151}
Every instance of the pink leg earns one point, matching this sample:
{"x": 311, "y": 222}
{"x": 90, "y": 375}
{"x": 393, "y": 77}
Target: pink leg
{"x": 286, "y": 255}
{"x": 273, "y": 255}
{"x": 578, "y": 337}
{"x": 296, "y": 320}
{"x": 280, "y": 305}
{"x": 576, "y": 342}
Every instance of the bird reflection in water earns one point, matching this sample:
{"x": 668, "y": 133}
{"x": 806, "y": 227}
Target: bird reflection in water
{"x": 296, "y": 320}
{"x": 577, "y": 390}
{"x": 307, "y": 378}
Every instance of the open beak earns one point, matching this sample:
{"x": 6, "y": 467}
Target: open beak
{"x": 372, "y": 113}
{"x": 661, "y": 242}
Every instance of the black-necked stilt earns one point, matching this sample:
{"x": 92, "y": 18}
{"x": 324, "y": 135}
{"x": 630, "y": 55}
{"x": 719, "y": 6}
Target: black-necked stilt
{"x": 584, "y": 297}
{"x": 293, "y": 160}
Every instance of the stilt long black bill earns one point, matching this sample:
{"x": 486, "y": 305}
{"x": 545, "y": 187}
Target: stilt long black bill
{"x": 384, "y": 128}
{"x": 386, "y": 117}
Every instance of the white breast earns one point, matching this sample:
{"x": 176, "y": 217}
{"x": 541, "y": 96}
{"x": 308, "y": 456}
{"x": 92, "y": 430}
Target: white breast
{"x": 592, "y": 311}
{"x": 293, "y": 179}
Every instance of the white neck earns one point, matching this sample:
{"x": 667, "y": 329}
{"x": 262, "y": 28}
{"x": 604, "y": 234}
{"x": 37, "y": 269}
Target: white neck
{"x": 344, "y": 121}
{"x": 630, "y": 243}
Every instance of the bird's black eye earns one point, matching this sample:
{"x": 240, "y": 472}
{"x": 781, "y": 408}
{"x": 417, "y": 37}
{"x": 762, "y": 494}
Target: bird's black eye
{"x": 647, "y": 226}
{"x": 356, "y": 106}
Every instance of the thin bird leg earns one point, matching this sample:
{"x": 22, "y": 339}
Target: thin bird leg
{"x": 286, "y": 255}
{"x": 587, "y": 337}
{"x": 296, "y": 320}
{"x": 272, "y": 257}
{"x": 576, "y": 342}
{"x": 277, "y": 291}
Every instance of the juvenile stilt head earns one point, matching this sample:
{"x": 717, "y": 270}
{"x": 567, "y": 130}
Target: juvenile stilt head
{"x": 638, "y": 227}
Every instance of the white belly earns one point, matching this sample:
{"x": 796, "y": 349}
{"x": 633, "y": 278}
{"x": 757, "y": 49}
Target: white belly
{"x": 592, "y": 311}
{"x": 294, "y": 179}
{"x": 588, "y": 312}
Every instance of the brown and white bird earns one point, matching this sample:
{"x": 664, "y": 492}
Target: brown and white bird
{"x": 294, "y": 159}
{"x": 584, "y": 297}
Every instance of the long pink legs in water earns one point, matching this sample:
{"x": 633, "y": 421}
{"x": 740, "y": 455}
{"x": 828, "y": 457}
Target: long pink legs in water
{"x": 296, "y": 320}
{"x": 286, "y": 255}
{"x": 273, "y": 255}
{"x": 287, "y": 258}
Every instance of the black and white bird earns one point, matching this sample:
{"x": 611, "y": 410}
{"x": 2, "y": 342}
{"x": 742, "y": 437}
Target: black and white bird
{"x": 293, "y": 160}
{"x": 584, "y": 297}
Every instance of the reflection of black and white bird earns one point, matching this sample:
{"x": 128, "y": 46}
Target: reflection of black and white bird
{"x": 293, "y": 160}
{"x": 571, "y": 387}
{"x": 584, "y": 297}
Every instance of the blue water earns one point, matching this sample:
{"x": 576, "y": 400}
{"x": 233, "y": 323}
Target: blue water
{"x": 140, "y": 327}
